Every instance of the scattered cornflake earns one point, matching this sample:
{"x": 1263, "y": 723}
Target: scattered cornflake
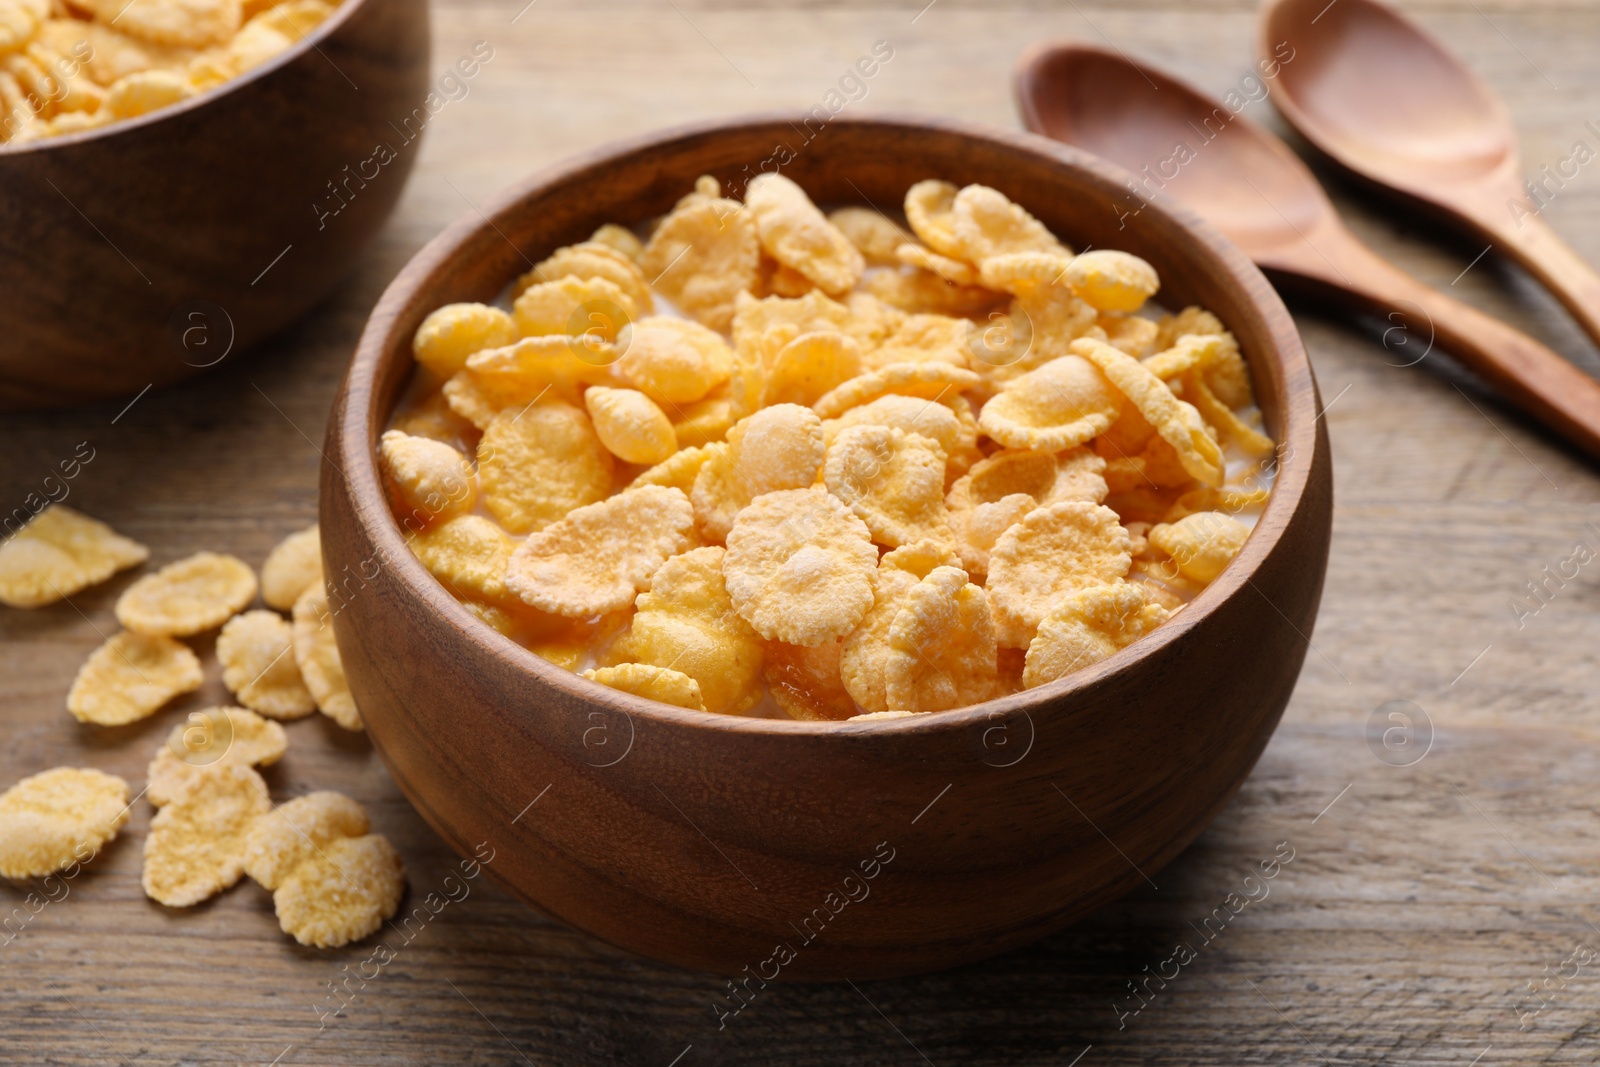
{"x": 292, "y": 567}
{"x": 196, "y": 845}
{"x": 286, "y": 836}
{"x": 256, "y": 650}
{"x": 316, "y": 653}
{"x": 57, "y": 818}
{"x": 341, "y": 894}
{"x": 212, "y": 738}
{"x": 131, "y": 677}
{"x": 61, "y": 552}
{"x": 193, "y": 595}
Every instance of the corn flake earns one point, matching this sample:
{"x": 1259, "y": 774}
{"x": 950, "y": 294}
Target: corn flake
{"x": 679, "y": 470}
{"x": 468, "y": 555}
{"x": 256, "y": 651}
{"x": 1088, "y": 626}
{"x": 930, "y": 209}
{"x": 686, "y": 622}
{"x": 675, "y": 360}
{"x": 934, "y": 380}
{"x": 941, "y": 645}
{"x": 294, "y": 831}
{"x": 703, "y": 256}
{"x": 341, "y": 894}
{"x": 428, "y": 479}
{"x": 130, "y": 677}
{"x": 651, "y": 682}
{"x": 619, "y": 239}
{"x": 1178, "y": 423}
{"x": 537, "y": 465}
{"x": 805, "y": 682}
{"x": 929, "y": 418}
{"x": 188, "y": 597}
{"x": 60, "y": 552}
{"x": 1061, "y": 405}
{"x": 779, "y": 447}
{"x": 1201, "y": 544}
{"x": 597, "y": 558}
{"x": 704, "y": 422}
{"x": 799, "y": 236}
{"x": 954, "y": 271}
{"x": 1050, "y": 553}
{"x": 986, "y": 223}
{"x": 592, "y": 259}
{"x": 1109, "y": 280}
{"x": 920, "y": 291}
{"x": 211, "y": 738}
{"x": 292, "y": 567}
{"x": 893, "y": 481}
{"x": 876, "y": 236}
{"x": 864, "y": 654}
{"x": 316, "y": 653}
{"x": 59, "y": 817}
{"x": 190, "y": 23}
{"x": 799, "y": 567}
{"x": 452, "y": 333}
{"x": 196, "y": 847}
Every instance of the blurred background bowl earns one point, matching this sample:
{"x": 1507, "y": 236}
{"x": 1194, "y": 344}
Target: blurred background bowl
{"x": 708, "y": 840}
{"x": 143, "y": 252}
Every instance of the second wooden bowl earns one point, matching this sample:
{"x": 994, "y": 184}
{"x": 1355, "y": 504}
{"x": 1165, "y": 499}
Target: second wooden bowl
{"x": 771, "y": 850}
{"x": 146, "y": 251}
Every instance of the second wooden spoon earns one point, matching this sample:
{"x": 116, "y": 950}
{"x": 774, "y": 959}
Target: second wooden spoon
{"x": 1248, "y": 183}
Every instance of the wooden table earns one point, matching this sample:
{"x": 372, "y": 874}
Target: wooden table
{"x": 1422, "y": 899}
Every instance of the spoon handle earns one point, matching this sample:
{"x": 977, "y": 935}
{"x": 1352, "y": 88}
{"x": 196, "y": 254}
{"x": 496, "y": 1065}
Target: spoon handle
{"x": 1537, "y": 247}
{"x": 1529, "y": 375}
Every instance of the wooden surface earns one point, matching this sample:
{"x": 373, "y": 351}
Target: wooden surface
{"x": 1421, "y": 899}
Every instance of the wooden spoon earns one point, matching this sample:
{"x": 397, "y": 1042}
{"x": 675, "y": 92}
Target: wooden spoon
{"x": 1245, "y": 181}
{"x": 1385, "y": 100}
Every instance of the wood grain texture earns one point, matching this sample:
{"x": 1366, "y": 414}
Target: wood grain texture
{"x": 1403, "y": 932}
{"x": 711, "y": 841}
{"x": 142, "y": 253}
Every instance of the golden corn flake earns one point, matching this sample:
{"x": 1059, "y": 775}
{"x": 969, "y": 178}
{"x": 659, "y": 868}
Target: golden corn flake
{"x": 592, "y": 307}
{"x": 1134, "y": 335}
{"x": 876, "y": 236}
{"x": 191, "y": 23}
{"x": 468, "y": 555}
{"x": 620, "y": 239}
{"x": 592, "y": 259}
{"x": 316, "y": 653}
{"x": 864, "y": 655}
{"x": 1088, "y": 626}
{"x": 703, "y": 256}
{"x": 1050, "y": 553}
{"x": 928, "y": 418}
{"x": 553, "y": 365}
{"x": 934, "y": 380}
{"x": 1025, "y": 273}
{"x": 976, "y": 527}
{"x": 597, "y": 558}
{"x": 1201, "y": 544}
{"x": 780, "y": 447}
{"x": 536, "y": 465}
{"x": 1178, "y": 423}
{"x": 930, "y": 209}
{"x": 57, "y": 818}
{"x": 954, "y": 271}
{"x": 190, "y": 596}
{"x": 916, "y": 338}
{"x": 674, "y": 360}
{"x": 341, "y": 894}
{"x": 196, "y": 845}
{"x": 256, "y": 650}
{"x": 452, "y": 333}
{"x": 986, "y": 223}
{"x": 805, "y": 682}
{"x": 924, "y": 292}
{"x": 294, "y": 831}
{"x": 292, "y": 567}
{"x": 797, "y": 235}
{"x": 630, "y": 425}
{"x": 893, "y": 481}
{"x": 144, "y": 92}
{"x": 60, "y": 552}
{"x": 811, "y": 365}
{"x": 679, "y": 470}
{"x": 799, "y": 566}
{"x": 686, "y": 622}
{"x": 211, "y": 738}
{"x": 1108, "y": 280}
{"x": 941, "y": 646}
{"x": 1229, "y": 426}
{"x": 704, "y": 421}
{"x": 428, "y": 479}
{"x": 130, "y": 677}
{"x": 651, "y": 682}
{"x": 468, "y": 399}
{"x": 1059, "y": 406}
{"x": 19, "y": 21}
{"x": 919, "y": 558}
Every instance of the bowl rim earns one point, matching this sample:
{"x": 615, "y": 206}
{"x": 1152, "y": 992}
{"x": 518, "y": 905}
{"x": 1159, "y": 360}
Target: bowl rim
{"x": 342, "y": 13}
{"x": 354, "y": 425}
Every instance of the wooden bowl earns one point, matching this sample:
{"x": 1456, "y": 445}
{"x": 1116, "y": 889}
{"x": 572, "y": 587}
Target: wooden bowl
{"x": 866, "y": 849}
{"x": 146, "y": 251}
